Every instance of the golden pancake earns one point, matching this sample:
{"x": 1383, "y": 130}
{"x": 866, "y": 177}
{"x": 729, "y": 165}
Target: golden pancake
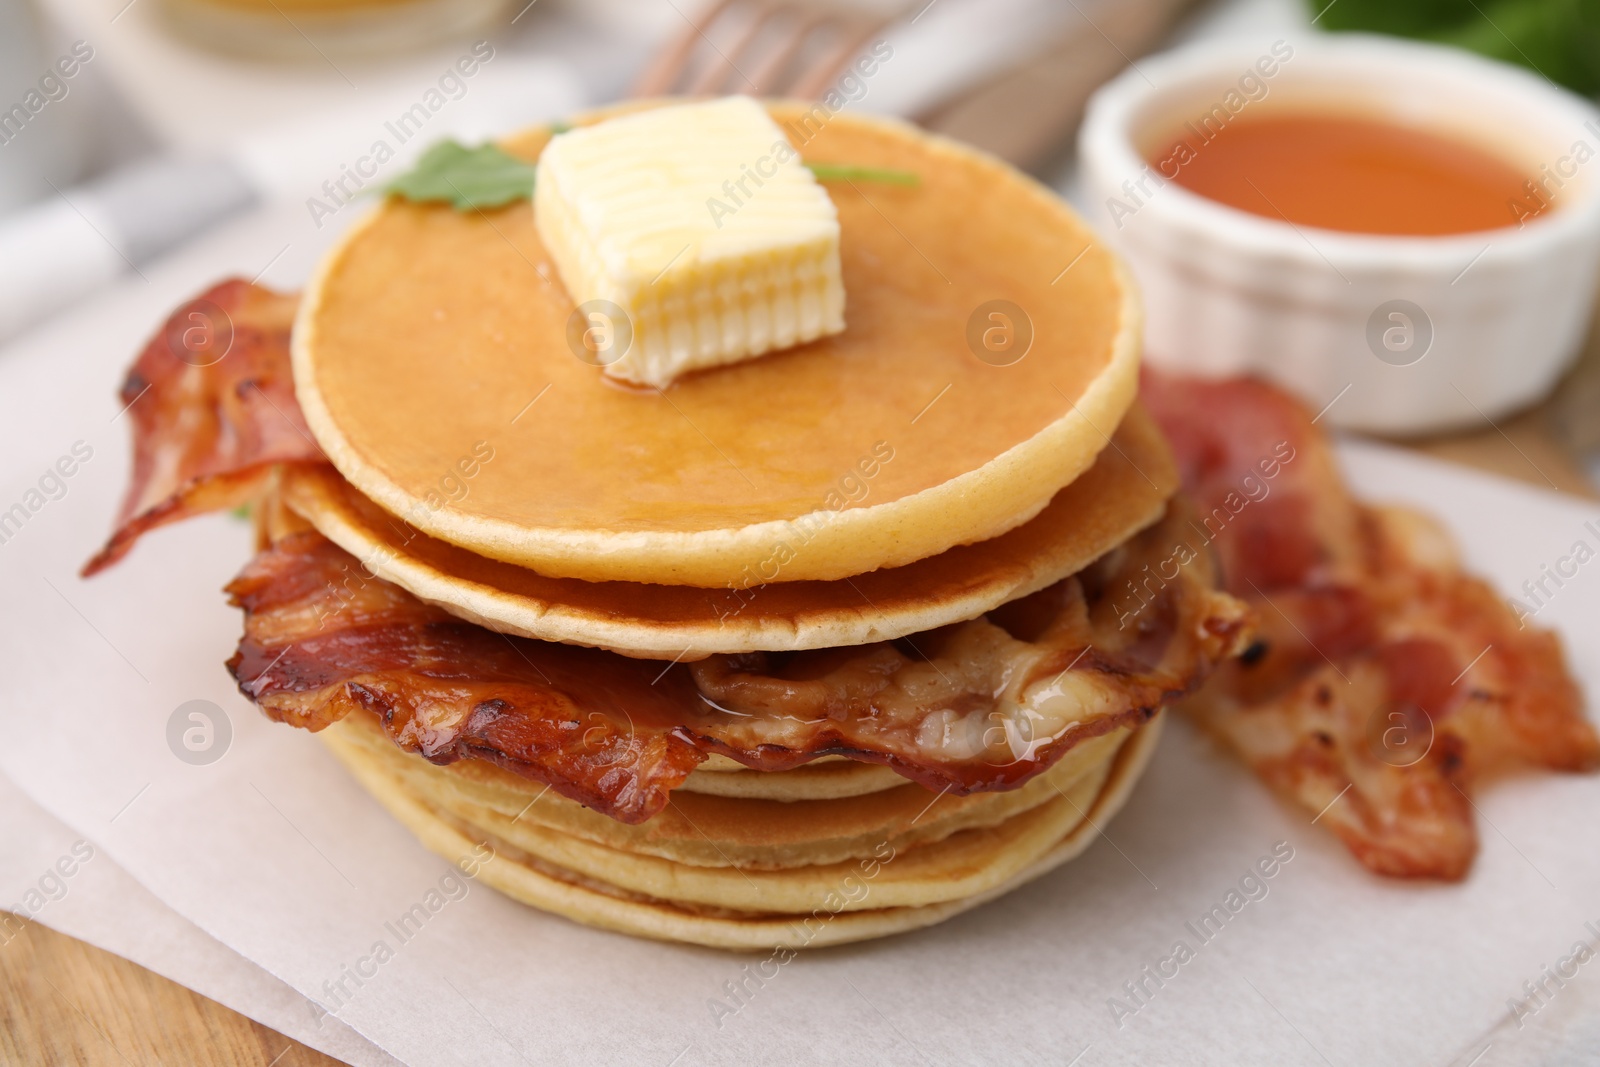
{"x": 1123, "y": 492}
{"x": 960, "y": 865}
{"x": 825, "y": 778}
{"x": 431, "y": 362}
{"x": 950, "y": 876}
{"x": 715, "y": 831}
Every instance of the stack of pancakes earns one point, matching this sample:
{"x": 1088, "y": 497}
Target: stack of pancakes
{"x": 921, "y": 486}
{"x": 836, "y": 852}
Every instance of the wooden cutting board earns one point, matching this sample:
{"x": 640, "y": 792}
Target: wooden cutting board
{"x": 65, "y": 1002}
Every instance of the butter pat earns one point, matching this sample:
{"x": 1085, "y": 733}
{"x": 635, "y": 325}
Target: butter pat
{"x": 700, "y": 224}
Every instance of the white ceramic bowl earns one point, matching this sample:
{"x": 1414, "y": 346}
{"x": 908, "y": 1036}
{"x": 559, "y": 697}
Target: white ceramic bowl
{"x": 1487, "y": 321}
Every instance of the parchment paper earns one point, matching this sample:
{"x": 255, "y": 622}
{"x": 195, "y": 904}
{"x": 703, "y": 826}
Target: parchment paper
{"x": 276, "y": 854}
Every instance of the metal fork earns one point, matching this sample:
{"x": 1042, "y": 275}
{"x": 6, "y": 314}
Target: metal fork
{"x": 763, "y": 48}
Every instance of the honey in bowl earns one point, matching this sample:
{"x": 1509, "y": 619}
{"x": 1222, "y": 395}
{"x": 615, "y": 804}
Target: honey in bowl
{"x": 1350, "y": 172}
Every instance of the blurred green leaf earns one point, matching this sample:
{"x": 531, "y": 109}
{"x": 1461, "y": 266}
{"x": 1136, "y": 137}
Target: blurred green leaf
{"x": 1403, "y": 18}
{"x": 466, "y": 178}
{"x": 1557, "y": 38}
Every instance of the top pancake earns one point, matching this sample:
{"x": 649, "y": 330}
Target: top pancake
{"x": 432, "y": 343}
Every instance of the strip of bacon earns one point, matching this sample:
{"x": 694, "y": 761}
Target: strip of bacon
{"x": 1384, "y": 681}
{"x": 212, "y": 402}
{"x": 981, "y": 705}
{"x": 324, "y": 638}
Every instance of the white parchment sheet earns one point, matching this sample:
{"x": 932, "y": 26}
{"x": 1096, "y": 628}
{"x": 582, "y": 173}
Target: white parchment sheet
{"x": 276, "y": 854}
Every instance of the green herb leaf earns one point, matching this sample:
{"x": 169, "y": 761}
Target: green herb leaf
{"x": 466, "y": 178}
{"x": 848, "y": 172}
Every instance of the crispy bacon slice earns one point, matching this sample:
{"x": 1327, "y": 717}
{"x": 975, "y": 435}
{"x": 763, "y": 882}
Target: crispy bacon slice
{"x": 324, "y": 638}
{"x": 1384, "y": 681}
{"x": 212, "y": 403}
{"x": 981, "y": 705}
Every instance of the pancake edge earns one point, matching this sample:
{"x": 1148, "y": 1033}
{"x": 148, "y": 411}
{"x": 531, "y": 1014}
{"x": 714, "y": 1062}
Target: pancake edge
{"x": 661, "y": 922}
{"x": 680, "y": 641}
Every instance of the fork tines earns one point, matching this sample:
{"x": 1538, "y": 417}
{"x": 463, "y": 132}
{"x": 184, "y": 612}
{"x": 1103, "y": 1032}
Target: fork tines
{"x": 761, "y": 48}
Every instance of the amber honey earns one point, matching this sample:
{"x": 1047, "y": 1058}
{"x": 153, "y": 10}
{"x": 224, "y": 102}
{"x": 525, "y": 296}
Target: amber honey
{"x": 1353, "y": 173}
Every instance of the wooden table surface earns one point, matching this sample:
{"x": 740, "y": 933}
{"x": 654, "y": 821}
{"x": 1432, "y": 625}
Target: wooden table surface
{"x": 63, "y": 1001}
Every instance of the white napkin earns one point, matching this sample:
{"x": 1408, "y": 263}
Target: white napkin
{"x": 947, "y": 46}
